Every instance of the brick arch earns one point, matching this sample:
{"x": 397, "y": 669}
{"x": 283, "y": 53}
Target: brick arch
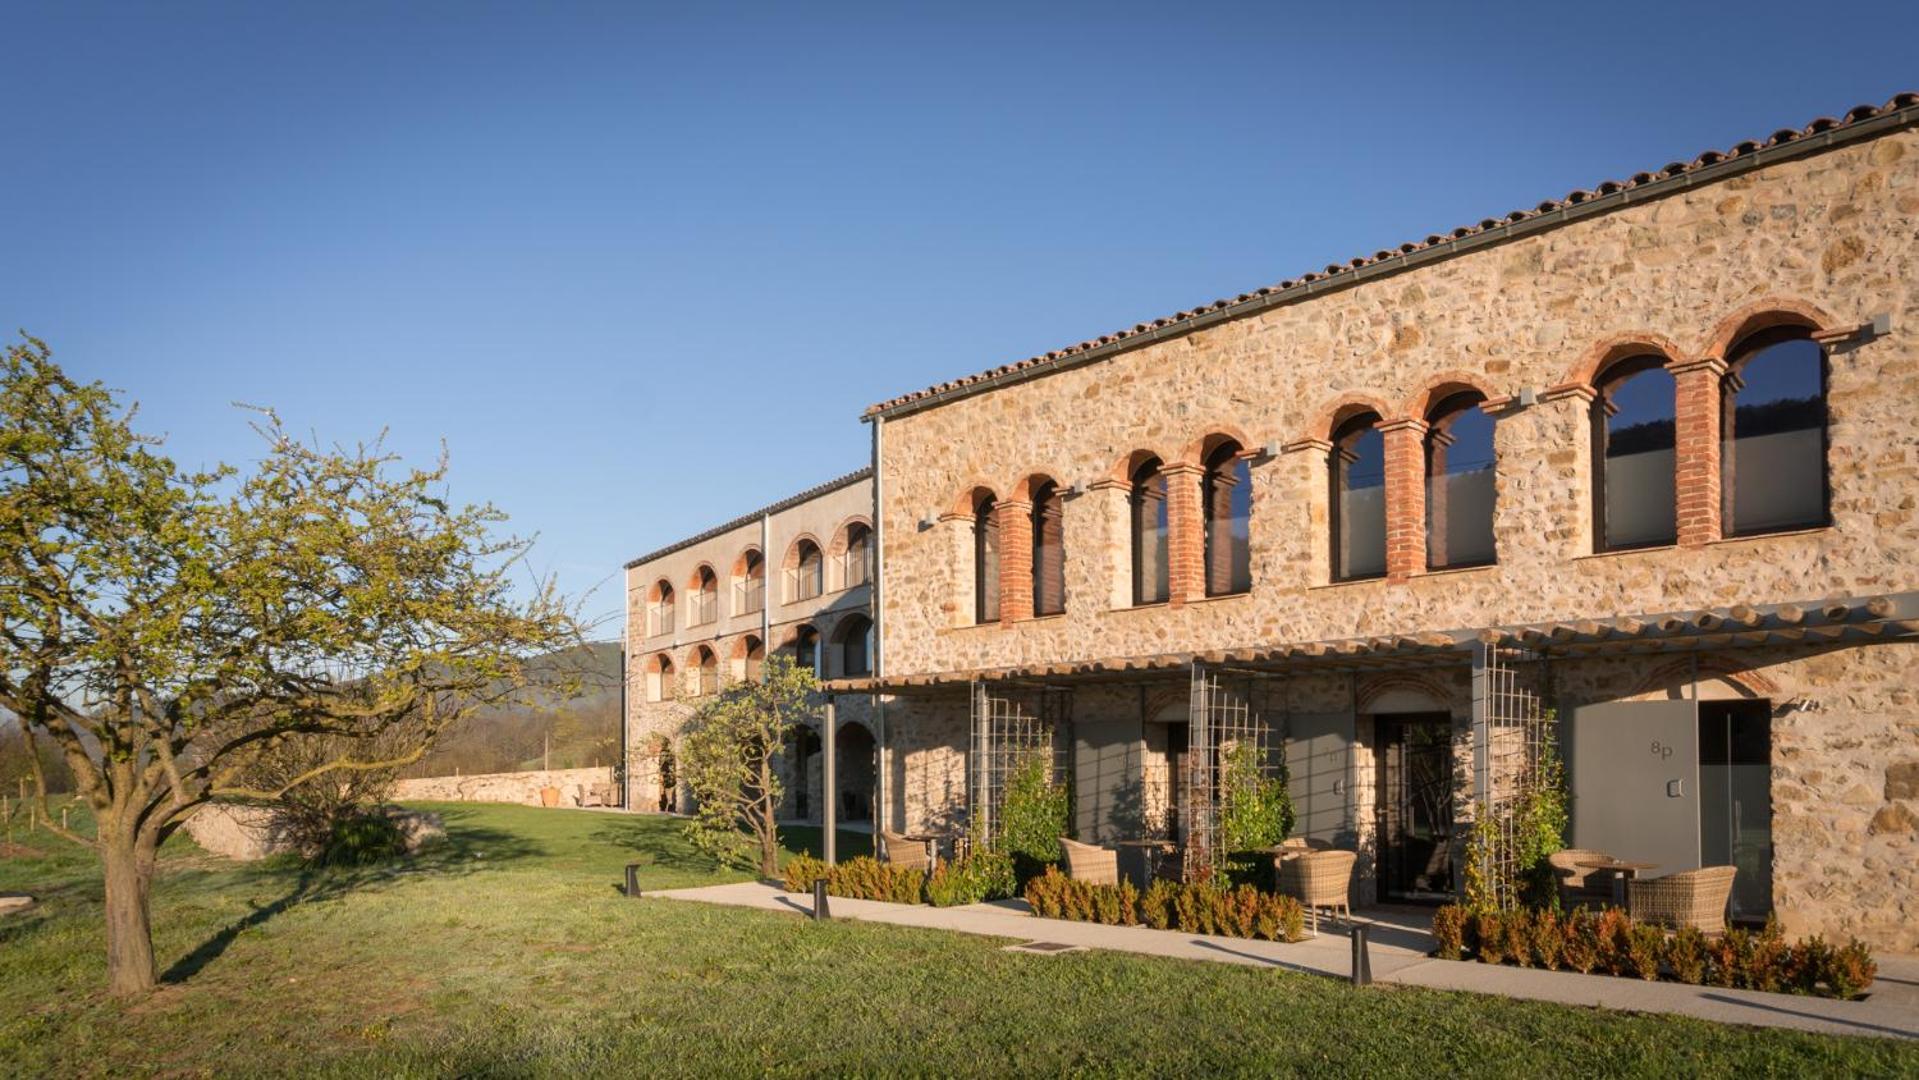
{"x": 1420, "y": 404}
{"x": 663, "y": 656}
{"x": 1748, "y": 682}
{"x": 791, "y": 560}
{"x": 654, "y": 592}
{"x": 1162, "y": 700}
{"x": 740, "y": 647}
{"x": 1195, "y": 452}
{"x": 1763, "y": 315}
{"x": 1341, "y": 409}
{"x": 969, "y": 497}
{"x": 792, "y": 639}
{"x": 693, "y": 579}
{"x": 1606, "y": 352}
{"x": 739, "y": 562}
{"x": 1373, "y": 688}
{"x": 1032, "y": 482}
{"x": 1122, "y": 469}
{"x": 840, "y": 532}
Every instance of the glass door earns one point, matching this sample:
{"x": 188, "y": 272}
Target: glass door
{"x": 1415, "y": 806}
{"x": 1735, "y": 799}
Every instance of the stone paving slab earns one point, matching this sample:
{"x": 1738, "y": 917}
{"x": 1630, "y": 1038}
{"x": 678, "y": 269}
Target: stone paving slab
{"x": 1398, "y": 957}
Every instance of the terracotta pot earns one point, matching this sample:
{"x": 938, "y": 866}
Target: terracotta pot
{"x": 549, "y": 796}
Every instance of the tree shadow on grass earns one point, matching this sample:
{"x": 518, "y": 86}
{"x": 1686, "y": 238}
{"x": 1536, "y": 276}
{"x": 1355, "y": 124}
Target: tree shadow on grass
{"x": 464, "y": 850}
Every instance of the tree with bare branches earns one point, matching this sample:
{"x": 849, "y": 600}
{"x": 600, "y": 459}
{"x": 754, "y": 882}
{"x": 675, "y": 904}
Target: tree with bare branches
{"x": 169, "y": 631}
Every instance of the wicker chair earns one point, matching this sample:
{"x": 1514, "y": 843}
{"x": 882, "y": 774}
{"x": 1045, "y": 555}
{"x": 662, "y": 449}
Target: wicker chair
{"x": 904, "y": 851}
{"x": 1319, "y": 879}
{"x": 1294, "y": 845}
{"x": 1085, "y": 862}
{"x": 1581, "y": 886}
{"x": 1695, "y": 898}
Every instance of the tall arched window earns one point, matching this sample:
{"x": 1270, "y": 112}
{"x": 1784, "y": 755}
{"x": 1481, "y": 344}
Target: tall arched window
{"x": 986, "y": 559}
{"x": 1359, "y": 499}
{"x": 753, "y": 656}
{"x": 662, "y": 607}
{"x": 1226, "y": 500}
{"x": 857, "y": 560}
{"x": 1633, "y": 420}
{"x": 1148, "y": 505}
{"x": 1049, "y": 550}
{"x": 808, "y": 576}
{"x": 660, "y": 679}
{"x": 1459, "y": 483}
{"x": 1773, "y": 458}
{"x": 854, "y": 635}
{"x": 806, "y": 649}
{"x": 706, "y": 672}
{"x": 750, "y": 593}
{"x": 706, "y": 596}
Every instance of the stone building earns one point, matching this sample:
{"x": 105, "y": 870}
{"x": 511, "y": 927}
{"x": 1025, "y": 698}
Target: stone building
{"x": 702, "y": 612}
{"x": 1636, "y": 469}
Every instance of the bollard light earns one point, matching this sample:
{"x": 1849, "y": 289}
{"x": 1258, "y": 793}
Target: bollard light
{"x": 820, "y": 911}
{"x": 633, "y": 880}
{"x": 1362, "y": 960}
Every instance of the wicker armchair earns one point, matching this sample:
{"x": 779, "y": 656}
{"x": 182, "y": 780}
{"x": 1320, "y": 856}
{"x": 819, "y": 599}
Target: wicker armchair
{"x": 1085, "y": 862}
{"x": 1695, "y": 898}
{"x": 1581, "y": 886}
{"x": 1294, "y": 845}
{"x": 1320, "y": 879}
{"x": 904, "y": 851}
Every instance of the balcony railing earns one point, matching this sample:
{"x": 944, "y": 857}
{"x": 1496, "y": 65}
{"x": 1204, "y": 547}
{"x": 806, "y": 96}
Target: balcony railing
{"x": 663, "y": 620}
{"x": 858, "y": 568}
{"x": 706, "y": 608}
{"x": 749, "y": 596}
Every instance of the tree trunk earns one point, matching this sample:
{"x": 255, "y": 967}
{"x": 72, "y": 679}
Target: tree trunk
{"x": 769, "y": 810}
{"x": 129, "y": 874}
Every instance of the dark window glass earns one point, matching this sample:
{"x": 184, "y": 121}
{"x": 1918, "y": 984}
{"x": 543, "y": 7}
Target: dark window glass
{"x": 986, "y": 560}
{"x": 856, "y": 646}
{"x": 1634, "y": 425}
{"x": 1773, "y": 459}
{"x": 1049, "y": 551}
{"x": 1150, "y": 570}
{"x": 1227, "y": 500}
{"x": 858, "y": 541}
{"x": 1459, "y": 484}
{"x": 1359, "y": 499}
{"x": 809, "y": 581}
{"x": 806, "y": 649}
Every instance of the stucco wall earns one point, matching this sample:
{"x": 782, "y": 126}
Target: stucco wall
{"x": 1832, "y": 233}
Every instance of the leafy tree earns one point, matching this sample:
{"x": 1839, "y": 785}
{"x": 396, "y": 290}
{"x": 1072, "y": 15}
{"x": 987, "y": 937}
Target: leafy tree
{"x": 168, "y": 630}
{"x": 727, "y": 759}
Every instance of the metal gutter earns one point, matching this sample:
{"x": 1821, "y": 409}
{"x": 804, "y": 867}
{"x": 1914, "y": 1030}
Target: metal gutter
{"x": 1392, "y": 265}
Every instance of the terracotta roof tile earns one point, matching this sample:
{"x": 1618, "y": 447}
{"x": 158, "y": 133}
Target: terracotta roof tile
{"x": 1707, "y": 159}
{"x": 814, "y": 492}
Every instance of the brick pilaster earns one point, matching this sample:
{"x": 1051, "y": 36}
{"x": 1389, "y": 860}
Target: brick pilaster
{"x": 1405, "y": 446}
{"x": 1696, "y": 448}
{"x": 1185, "y": 534}
{"x": 1015, "y": 521}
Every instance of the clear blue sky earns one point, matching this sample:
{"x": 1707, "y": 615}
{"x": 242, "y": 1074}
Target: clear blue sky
{"x": 643, "y": 268}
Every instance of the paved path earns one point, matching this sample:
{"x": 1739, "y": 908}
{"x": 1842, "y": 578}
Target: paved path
{"x": 1398, "y": 957}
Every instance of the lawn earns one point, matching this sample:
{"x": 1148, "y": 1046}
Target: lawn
{"x": 509, "y": 951}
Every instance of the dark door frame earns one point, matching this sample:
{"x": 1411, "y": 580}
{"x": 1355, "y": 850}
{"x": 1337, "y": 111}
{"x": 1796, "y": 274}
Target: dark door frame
{"x": 1393, "y": 809}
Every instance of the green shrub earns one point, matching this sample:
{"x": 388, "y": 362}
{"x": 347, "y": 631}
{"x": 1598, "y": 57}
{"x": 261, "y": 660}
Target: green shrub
{"x": 1194, "y": 908}
{"x": 1612, "y": 933}
{"x": 1158, "y": 908}
{"x": 1850, "y": 969}
{"x": 1765, "y": 964}
{"x": 1805, "y": 964}
{"x": 981, "y": 876}
{"x": 1256, "y": 810}
{"x": 1726, "y": 958}
{"x": 866, "y": 878}
{"x": 1034, "y": 815}
{"x": 1686, "y": 955}
{"x": 1645, "y": 944}
{"x": 802, "y": 871}
{"x": 1580, "y": 945}
{"x": 1449, "y": 932}
{"x": 1547, "y": 939}
{"x": 1490, "y": 930}
{"x": 1517, "y": 925}
{"x": 360, "y": 840}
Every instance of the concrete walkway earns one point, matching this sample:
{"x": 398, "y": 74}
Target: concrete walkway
{"x": 1399, "y": 957}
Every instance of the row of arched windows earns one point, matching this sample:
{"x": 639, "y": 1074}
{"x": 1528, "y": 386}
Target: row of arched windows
{"x": 805, "y": 579}
{"x": 848, "y": 655}
{"x": 1771, "y": 433}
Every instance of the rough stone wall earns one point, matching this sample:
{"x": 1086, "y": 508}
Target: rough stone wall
{"x": 656, "y": 727}
{"x": 1831, "y": 234}
{"x": 577, "y": 787}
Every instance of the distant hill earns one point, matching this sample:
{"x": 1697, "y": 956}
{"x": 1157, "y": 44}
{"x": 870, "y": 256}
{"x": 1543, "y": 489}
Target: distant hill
{"x": 569, "y": 734}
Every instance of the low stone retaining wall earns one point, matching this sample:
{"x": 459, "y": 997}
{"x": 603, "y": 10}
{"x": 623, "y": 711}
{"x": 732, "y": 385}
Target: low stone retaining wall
{"x": 248, "y": 833}
{"x": 577, "y": 787}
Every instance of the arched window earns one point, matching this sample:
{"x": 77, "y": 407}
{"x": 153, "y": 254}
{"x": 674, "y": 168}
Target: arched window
{"x": 1359, "y": 499}
{"x": 660, "y": 679}
{"x": 1633, "y": 418}
{"x": 1226, "y": 501}
{"x": 806, "y": 649}
{"x": 1459, "y": 483}
{"x": 808, "y": 579}
{"x": 854, "y": 636}
{"x": 1773, "y": 459}
{"x": 857, "y": 559}
{"x": 1148, "y": 506}
{"x": 1049, "y": 550}
{"x": 753, "y": 657}
{"x": 706, "y": 672}
{"x": 749, "y": 594}
{"x": 662, "y": 607}
{"x": 986, "y": 559}
{"x": 706, "y": 596}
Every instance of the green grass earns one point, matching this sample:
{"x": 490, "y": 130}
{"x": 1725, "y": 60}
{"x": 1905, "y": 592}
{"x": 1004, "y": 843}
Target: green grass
{"x": 509, "y": 951}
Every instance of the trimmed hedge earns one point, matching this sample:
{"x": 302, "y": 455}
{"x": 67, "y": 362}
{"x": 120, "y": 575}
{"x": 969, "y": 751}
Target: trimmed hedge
{"x": 981, "y": 876}
{"x": 1609, "y": 942}
{"x": 863, "y": 878}
{"x": 1197, "y": 908}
